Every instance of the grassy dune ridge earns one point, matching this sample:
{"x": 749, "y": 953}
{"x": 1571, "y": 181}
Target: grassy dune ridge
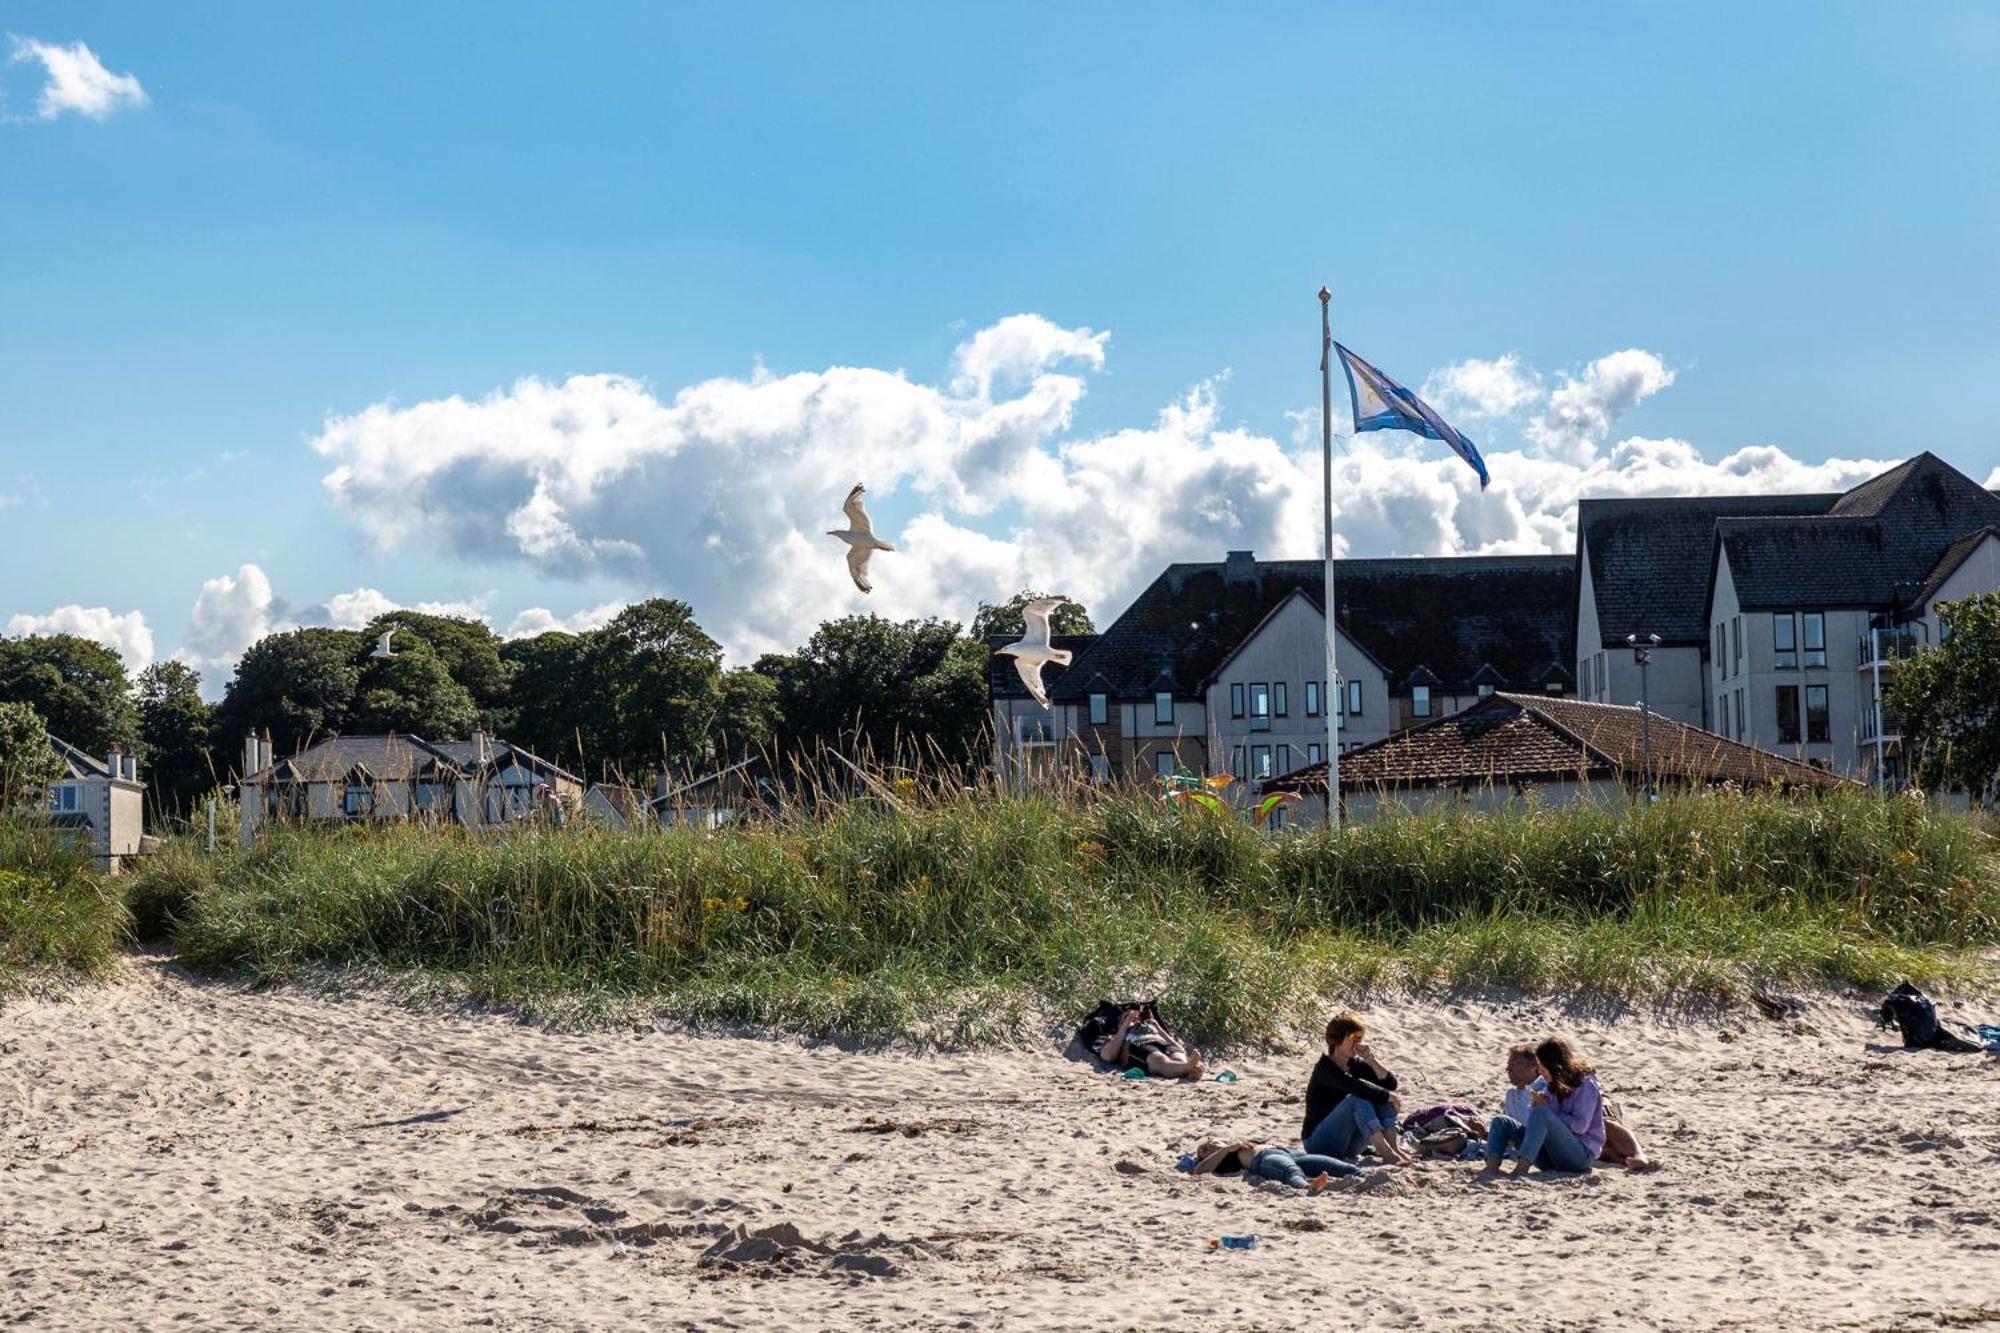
{"x": 59, "y": 919}
{"x": 964, "y": 916}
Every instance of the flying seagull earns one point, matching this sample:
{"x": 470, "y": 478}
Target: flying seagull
{"x": 382, "y": 648}
{"x": 1032, "y": 651}
{"x": 859, "y": 534}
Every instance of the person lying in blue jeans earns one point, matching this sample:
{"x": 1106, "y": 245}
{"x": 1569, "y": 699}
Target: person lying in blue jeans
{"x": 1564, "y": 1127}
{"x": 1351, "y": 1098}
{"x": 1265, "y": 1161}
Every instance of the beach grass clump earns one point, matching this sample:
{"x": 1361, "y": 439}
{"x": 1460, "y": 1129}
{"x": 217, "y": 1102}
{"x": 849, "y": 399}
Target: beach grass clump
{"x": 59, "y": 919}
{"x": 961, "y": 916}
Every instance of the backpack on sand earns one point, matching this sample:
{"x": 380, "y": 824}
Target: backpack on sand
{"x": 1911, "y": 1012}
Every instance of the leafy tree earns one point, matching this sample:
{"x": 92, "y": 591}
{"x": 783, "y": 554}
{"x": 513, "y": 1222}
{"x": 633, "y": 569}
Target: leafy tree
{"x": 300, "y": 684}
{"x": 746, "y": 716}
{"x": 553, "y": 706}
{"x": 1946, "y": 699}
{"x": 28, "y": 763}
{"x": 885, "y": 687}
{"x": 413, "y": 693}
{"x": 79, "y": 688}
{"x": 178, "y": 728}
{"x": 468, "y": 649}
{"x": 656, "y": 676}
{"x": 1006, "y": 618}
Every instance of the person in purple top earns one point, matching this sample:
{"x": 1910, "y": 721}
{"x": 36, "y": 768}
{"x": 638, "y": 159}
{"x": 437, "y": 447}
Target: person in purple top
{"x": 1564, "y": 1130}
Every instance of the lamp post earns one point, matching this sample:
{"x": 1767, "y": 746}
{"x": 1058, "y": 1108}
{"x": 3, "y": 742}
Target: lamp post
{"x": 1642, "y": 653}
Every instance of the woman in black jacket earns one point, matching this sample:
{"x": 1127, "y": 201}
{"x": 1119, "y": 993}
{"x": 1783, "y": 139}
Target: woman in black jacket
{"x": 1351, "y": 1097}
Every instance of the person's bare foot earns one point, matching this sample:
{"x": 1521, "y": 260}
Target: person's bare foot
{"x": 1520, "y": 1169}
{"x": 1319, "y": 1182}
{"x": 1641, "y": 1164}
{"x": 1195, "y": 1067}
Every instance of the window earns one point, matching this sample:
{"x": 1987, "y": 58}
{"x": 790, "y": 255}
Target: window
{"x": 1260, "y": 707}
{"x": 1100, "y": 768}
{"x": 1236, "y": 701}
{"x": 1818, "y": 732}
{"x": 1280, "y": 705}
{"x": 1722, "y": 714}
{"x": 1736, "y": 645}
{"x": 1718, "y": 650}
{"x": 1314, "y": 755}
{"x": 1284, "y": 759}
{"x": 1312, "y": 698}
{"x": 1260, "y": 761}
{"x": 1815, "y": 644}
{"x": 1354, "y": 698}
{"x": 65, "y": 798}
{"x": 1603, "y": 685}
{"x": 359, "y": 800}
{"x": 1100, "y": 710}
{"x": 1742, "y": 716}
{"x": 1165, "y": 763}
{"x": 1420, "y": 701}
{"x": 1485, "y": 690}
{"x": 1236, "y": 763}
{"x": 1788, "y": 714}
{"x": 1163, "y": 708}
{"x": 1784, "y": 641}
{"x": 1583, "y": 675}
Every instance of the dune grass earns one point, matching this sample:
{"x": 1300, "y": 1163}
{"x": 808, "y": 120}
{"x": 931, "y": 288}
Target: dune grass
{"x": 59, "y": 920}
{"x": 963, "y": 917}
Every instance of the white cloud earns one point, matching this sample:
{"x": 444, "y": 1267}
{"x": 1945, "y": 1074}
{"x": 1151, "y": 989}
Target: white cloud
{"x": 1583, "y": 409}
{"x": 540, "y": 620}
{"x": 1473, "y": 388}
{"x": 125, "y": 633}
{"x": 721, "y": 493}
{"x": 1993, "y": 480}
{"x": 230, "y": 613}
{"x": 77, "y": 80}
{"x": 353, "y": 610}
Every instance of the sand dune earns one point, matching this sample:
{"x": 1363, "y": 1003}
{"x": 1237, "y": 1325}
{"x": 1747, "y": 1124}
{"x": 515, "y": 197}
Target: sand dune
{"x": 189, "y": 1155}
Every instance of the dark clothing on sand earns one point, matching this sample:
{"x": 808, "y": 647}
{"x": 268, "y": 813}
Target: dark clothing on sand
{"x": 1330, "y": 1083}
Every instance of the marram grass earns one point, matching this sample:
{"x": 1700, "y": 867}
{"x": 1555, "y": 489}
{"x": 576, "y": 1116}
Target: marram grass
{"x": 961, "y": 917}
{"x": 59, "y": 920}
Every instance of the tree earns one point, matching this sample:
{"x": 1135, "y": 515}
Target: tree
{"x": 1006, "y": 618}
{"x": 178, "y": 729}
{"x": 468, "y": 649}
{"x": 553, "y": 703}
{"x": 412, "y": 693}
{"x": 885, "y": 687}
{"x": 78, "y": 687}
{"x": 29, "y": 765}
{"x": 1945, "y": 697}
{"x": 657, "y": 677}
{"x": 746, "y": 716}
{"x": 299, "y": 684}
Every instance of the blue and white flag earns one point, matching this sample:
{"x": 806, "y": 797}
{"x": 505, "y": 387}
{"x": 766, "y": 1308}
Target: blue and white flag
{"x": 1382, "y": 404}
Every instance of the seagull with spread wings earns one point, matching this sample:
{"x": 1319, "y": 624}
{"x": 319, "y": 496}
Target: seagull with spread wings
{"x": 1031, "y": 652}
{"x": 859, "y": 534}
{"x": 382, "y": 648}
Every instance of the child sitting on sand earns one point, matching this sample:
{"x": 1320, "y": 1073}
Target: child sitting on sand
{"x": 1267, "y": 1161}
{"x": 1351, "y": 1098}
{"x": 1564, "y": 1127}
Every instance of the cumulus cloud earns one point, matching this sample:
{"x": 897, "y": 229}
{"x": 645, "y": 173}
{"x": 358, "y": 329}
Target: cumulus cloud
{"x": 1473, "y": 388}
{"x": 231, "y": 612}
{"x": 540, "y": 620}
{"x": 353, "y": 610}
{"x": 77, "y": 80}
{"x": 1582, "y": 409}
{"x": 125, "y": 633}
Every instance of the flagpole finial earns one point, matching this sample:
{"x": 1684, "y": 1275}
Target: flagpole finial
{"x": 1324, "y": 296}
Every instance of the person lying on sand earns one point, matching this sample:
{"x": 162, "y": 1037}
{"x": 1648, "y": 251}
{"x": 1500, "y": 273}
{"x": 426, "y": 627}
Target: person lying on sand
{"x": 1144, "y": 1043}
{"x": 1351, "y": 1098}
{"x": 1564, "y": 1127}
{"x": 1267, "y": 1161}
{"x": 1524, "y": 1080}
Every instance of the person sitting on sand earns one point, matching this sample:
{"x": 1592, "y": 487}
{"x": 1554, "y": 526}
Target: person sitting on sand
{"x": 1140, "y": 1042}
{"x": 1564, "y": 1127}
{"x": 1351, "y": 1098}
{"x": 1266, "y": 1161}
{"x": 1524, "y": 1080}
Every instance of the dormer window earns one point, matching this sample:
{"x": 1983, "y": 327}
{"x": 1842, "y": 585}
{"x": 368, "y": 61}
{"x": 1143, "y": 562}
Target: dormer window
{"x": 358, "y": 801}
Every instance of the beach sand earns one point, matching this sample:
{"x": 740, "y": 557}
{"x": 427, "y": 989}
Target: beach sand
{"x": 182, "y": 1154}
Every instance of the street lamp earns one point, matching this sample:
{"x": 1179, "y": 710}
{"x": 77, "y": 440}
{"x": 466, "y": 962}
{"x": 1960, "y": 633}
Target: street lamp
{"x": 1642, "y": 653}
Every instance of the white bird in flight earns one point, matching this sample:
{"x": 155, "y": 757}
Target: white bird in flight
{"x": 382, "y": 648}
{"x": 1032, "y": 651}
{"x": 859, "y": 534}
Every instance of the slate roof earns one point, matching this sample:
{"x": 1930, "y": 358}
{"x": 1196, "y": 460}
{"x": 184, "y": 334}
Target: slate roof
{"x": 76, "y": 763}
{"x": 380, "y": 758}
{"x": 1452, "y": 616}
{"x": 1948, "y": 563}
{"x": 1523, "y": 737}
{"x": 1650, "y": 559}
{"x": 1877, "y": 547}
{"x": 1004, "y": 682}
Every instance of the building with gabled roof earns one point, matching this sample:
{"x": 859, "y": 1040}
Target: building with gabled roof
{"x": 102, "y": 802}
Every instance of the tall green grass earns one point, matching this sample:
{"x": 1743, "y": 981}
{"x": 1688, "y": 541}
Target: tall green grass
{"x": 59, "y": 920}
{"x": 962, "y": 916}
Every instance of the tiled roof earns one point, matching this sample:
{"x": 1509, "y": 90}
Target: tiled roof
{"x": 1453, "y": 616}
{"x": 1004, "y": 682}
{"x": 1877, "y": 547}
{"x": 1520, "y": 738}
{"x": 382, "y": 758}
{"x": 1650, "y": 559}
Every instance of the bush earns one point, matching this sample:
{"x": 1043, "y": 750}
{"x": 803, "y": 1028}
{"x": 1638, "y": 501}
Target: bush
{"x": 58, "y": 918}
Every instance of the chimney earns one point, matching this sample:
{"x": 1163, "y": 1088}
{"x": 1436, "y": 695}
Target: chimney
{"x": 264, "y": 755}
{"x": 131, "y": 768}
{"x": 114, "y": 763}
{"x": 1239, "y": 567}
{"x": 251, "y": 753}
{"x": 660, "y": 784}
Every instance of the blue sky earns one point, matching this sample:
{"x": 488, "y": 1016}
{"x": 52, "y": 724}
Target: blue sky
{"x": 1790, "y": 208}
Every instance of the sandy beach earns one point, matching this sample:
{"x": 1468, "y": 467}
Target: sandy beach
{"x": 186, "y": 1154}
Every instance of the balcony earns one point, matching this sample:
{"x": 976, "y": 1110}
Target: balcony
{"x": 1892, "y": 728}
{"x": 1889, "y": 646}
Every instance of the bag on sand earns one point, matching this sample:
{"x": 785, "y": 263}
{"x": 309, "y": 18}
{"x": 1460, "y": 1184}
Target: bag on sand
{"x": 1913, "y": 1014}
{"x": 1103, "y": 1020}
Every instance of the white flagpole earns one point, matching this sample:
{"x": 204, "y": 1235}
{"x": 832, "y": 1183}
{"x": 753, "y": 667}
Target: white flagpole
{"x": 1332, "y": 696}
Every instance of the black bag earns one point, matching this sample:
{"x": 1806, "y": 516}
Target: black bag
{"x": 1911, "y": 1012}
{"x": 1103, "y": 1020}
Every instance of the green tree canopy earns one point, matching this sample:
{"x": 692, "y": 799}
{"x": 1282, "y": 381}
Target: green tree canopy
{"x": 1948, "y": 703}
{"x": 177, "y": 727}
{"x": 555, "y": 711}
{"x": 28, "y": 763}
{"x": 413, "y": 693}
{"x": 656, "y": 676}
{"x": 1006, "y": 618}
{"x": 746, "y": 716}
{"x": 300, "y": 684}
{"x": 885, "y": 687}
{"x": 468, "y": 649}
{"x": 78, "y": 687}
